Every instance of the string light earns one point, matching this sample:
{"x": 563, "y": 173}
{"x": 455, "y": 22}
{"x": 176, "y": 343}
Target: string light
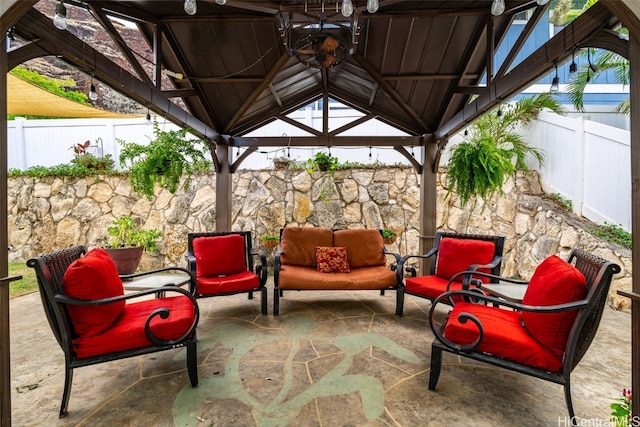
{"x": 93, "y": 95}
{"x": 60, "y": 18}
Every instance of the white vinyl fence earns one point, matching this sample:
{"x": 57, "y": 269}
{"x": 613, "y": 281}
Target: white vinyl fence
{"x": 585, "y": 162}
{"x": 588, "y": 163}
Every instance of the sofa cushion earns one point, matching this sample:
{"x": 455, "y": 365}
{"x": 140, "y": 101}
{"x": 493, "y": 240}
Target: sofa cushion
{"x": 456, "y": 255}
{"x": 555, "y": 281}
{"x": 298, "y": 244}
{"x": 127, "y": 332}
{"x": 332, "y": 259}
{"x": 364, "y": 246}
{"x": 230, "y": 284}
{"x": 503, "y": 336}
{"x": 370, "y": 278}
{"x": 94, "y": 276}
{"x": 219, "y": 255}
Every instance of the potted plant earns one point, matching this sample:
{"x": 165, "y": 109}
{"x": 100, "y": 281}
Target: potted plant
{"x": 322, "y": 162}
{"x": 389, "y": 235}
{"x": 270, "y": 240}
{"x": 128, "y": 241}
{"x": 281, "y": 163}
{"x": 493, "y": 150}
{"x": 164, "y": 161}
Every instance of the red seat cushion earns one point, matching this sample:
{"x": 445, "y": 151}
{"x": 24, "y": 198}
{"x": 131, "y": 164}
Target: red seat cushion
{"x": 219, "y": 255}
{"x": 555, "y": 281}
{"x": 127, "y": 333}
{"x": 332, "y": 259}
{"x": 233, "y": 283}
{"x": 94, "y": 276}
{"x": 430, "y": 286}
{"x": 503, "y": 336}
{"x": 456, "y": 255}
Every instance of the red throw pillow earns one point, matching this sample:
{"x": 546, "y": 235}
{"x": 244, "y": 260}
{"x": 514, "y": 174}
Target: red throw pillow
{"x": 456, "y": 255}
{"x": 94, "y": 276}
{"x": 219, "y": 255}
{"x": 555, "y": 281}
{"x": 332, "y": 259}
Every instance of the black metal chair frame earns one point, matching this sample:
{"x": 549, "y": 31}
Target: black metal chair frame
{"x": 598, "y": 273}
{"x": 50, "y": 269}
{"x": 494, "y": 266}
{"x": 260, "y": 268}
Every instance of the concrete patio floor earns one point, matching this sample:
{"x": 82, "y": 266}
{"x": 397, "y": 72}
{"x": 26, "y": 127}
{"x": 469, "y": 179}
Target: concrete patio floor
{"x": 330, "y": 359}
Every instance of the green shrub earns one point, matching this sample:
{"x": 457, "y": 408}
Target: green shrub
{"x": 613, "y": 234}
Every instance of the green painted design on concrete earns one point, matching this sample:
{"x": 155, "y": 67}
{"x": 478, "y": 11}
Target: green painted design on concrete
{"x": 283, "y": 408}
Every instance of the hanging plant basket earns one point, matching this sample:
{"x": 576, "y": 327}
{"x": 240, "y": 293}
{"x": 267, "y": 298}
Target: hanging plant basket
{"x": 389, "y": 240}
{"x": 270, "y": 243}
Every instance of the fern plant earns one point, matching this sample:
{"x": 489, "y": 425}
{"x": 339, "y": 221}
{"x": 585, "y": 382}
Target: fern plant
{"x": 494, "y": 150}
{"x": 164, "y": 161}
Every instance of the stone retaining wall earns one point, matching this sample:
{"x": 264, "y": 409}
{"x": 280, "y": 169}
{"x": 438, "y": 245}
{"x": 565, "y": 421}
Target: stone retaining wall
{"x": 50, "y": 213}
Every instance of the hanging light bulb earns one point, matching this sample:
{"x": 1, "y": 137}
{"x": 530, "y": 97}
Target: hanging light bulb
{"x": 573, "y": 67}
{"x": 347, "y": 8}
{"x": 93, "y": 95}
{"x": 497, "y": 7}
{"x": 190, "y": 7}
{"x": 148, "y": 117}
{"x": 372, "y": 6}
{"x": 60, "y": 18}
{"x": 555, "y": 83}
{"x": 542, "y": 2}
{"x": 221, "y": 2}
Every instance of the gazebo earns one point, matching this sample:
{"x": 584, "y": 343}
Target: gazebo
{"x": 225, "y": 68}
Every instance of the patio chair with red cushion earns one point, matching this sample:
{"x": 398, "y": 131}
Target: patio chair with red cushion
{"x": 222, "y": 263}
{"x": 451, "y": 254}
{"x": 544, "y": 336}
{"x": 95, "y": 322}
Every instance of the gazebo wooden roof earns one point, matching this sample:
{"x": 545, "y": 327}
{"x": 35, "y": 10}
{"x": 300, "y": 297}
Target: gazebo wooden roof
{"x": 426, "y": 67}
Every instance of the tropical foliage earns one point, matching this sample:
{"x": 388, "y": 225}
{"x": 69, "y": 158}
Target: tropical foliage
{"x": 124, "y": 233}
{"x": 164, "y": 161}
{"x": 494, "y": 150}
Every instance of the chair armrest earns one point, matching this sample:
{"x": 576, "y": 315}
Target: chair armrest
{"x": 438, "y": 330}
{"x": 401, "y": 269}
{"x": 396, "y": 257}
{"x": 261, "y": 268}
{"x": 124, "y": 277}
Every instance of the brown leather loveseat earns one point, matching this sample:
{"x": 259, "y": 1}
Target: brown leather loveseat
{"x": 312, "y": 258}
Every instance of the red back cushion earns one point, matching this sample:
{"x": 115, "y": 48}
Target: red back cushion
{"x": 94, "y": 276}
{"x": 555, "y": 281}
{"x": 331, "y": 259}
{"x": 456, "y": 255}
{"x": 364, "y": 246}
{"x": 298, "y": 244}
{"x": 219, "y": 255}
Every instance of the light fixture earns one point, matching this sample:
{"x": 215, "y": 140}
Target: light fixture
{"x": 347, "y": 8}
{"x": 372, "y": 6}
{"x": 542, "y": 2}
{"x": 573, "y": 67}
{"x": 190, "y": 7}
{"x": 93, "y": 95}
{"x": 60, "y": 18}
{"x": 499, "y": 113}
{"x": 555, "y": 83}
{"x": 221, "y": 2}
{"x": 497, "y": 7}
{"x": 148, "y": 117}
{"x": 591, "y": 65}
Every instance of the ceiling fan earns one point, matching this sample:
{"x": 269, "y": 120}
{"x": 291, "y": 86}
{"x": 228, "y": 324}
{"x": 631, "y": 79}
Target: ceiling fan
{"x": 320, "y": 50}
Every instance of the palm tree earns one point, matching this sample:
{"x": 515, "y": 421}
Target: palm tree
{"x": 599, "y": 61}
{"x": 493, "y": 150}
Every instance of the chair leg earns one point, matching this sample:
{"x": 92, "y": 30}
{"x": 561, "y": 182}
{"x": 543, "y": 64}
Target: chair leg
{"x": 263, "y": 300}
{"x": 567, "y": 398}
{"x": 399, "y": 301}
{"x": 382, "y": 292}
{"x": 250, "y": 294}
{"x": 192, "y": 363}
{"x": 436, "y": 364}
{"x": 276, "y": 301}
{"x": 68, "y": 381}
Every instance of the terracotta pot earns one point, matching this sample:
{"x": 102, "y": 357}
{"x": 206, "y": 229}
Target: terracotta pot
{"x": 270, "y": 243}
{"x": 389, "y": 240}
{"x": 126, "y": 259}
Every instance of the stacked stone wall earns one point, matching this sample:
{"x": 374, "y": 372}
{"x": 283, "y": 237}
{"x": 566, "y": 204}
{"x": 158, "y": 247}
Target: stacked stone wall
{"x": 50, "y": 213}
